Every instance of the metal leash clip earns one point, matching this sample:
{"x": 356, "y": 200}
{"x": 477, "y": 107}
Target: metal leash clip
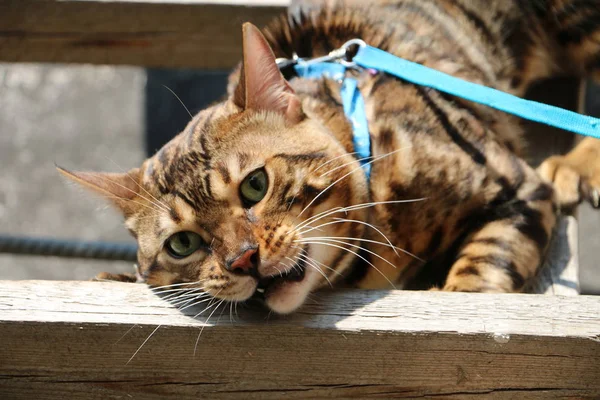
{"x": 342, "y": 55}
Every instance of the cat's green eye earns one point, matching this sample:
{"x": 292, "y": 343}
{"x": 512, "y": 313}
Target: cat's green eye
{"x": 254, "y": 187}
{"x": 182, "y": 244}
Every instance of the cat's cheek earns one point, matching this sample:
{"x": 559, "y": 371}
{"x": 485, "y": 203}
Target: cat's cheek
{"x": 287, "y": 297}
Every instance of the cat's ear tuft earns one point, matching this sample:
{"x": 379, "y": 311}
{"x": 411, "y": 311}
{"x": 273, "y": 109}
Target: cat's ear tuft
{"x": 261, "y": 85}
{"x": 120, "y": 188}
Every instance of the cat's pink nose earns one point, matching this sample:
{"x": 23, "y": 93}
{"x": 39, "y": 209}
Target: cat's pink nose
{"x": 245, "y": 264}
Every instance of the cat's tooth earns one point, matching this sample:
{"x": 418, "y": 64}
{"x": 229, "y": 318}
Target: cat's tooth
{"x": 260, "y": 290}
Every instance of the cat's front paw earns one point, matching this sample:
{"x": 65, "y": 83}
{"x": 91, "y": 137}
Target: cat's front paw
{"x": 107, "y": 276}
{"x": 575, "y": 176}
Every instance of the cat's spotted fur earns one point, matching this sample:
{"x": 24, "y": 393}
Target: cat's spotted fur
{"x": 486, "y": 214}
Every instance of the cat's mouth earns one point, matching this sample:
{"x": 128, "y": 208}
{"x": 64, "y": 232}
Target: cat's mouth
{"x": 270, "y": 283}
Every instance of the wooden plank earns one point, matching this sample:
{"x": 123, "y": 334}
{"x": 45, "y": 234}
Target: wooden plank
{"x": 74, "y": 339}
{"x": 194, "y": 34}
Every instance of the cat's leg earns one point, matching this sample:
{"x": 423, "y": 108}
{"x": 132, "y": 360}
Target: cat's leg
{"x": 108, "y": 276}
{"x": 575, "y": 176}
{"x": 506, "y": 251}
{"x": 564, "y": 39}
{"x": 124, "y": 277}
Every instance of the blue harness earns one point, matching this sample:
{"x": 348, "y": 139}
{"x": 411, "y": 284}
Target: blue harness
{"x": 334, "y": 66}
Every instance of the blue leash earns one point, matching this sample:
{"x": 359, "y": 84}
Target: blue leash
{"x": 352, "y": 101}
{"x": 371, "y": 57}
{"x": 335, "y": 64}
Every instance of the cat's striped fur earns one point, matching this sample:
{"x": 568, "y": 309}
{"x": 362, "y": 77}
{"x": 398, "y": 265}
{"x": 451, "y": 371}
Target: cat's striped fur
{"x": 486, "y": 216}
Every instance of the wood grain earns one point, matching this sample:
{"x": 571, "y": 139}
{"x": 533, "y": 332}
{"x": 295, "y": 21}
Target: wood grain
{"x": 192, "y": 34}
{"x": 73, "y": 340}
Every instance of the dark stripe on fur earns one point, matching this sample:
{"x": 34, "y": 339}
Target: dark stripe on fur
{"x": 469, "y": 270}
{"x": 531, "y": 226}
{"x": 574, "y": 7}
{"x": 435, "y": 242}
{"x": 574, "y": 34}
{"x": 477, "y": 156}
{"x": 502, "y": 263}
{"x": 224, "y": 172}
{"x": 174, "y": 216}
{"x": 477, "y": 22}
{"x": 359, "y": 268}
{"x": 542, "y": 192}
{"x": 185, "y": 198}
{"x": 300, "y": 157}
{"x": 499, "y": 243}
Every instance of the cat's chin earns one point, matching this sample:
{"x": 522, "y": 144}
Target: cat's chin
{"x": 287, "y": 297}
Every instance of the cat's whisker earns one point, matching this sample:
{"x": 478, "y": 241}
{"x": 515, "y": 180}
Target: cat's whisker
{"x": 175, "y": 296}
{"x": 176, "y": 290}
{"x": 186, "y": 298}
{"x": 316, "y": 268}
{"x": 220, "y": 315}
{"x": 377, "y": 203}
{"x": 136, "y": 182}
{"x": 278, "y": 270}
{"x": 194, "y": 300}
{"x": 200, "y": 301}
{"x": 344, "y": 165}
{"x": 132, "y": 201}
{"x": 181, "y": 101}
{"x": 333, "y": 159}
{"x": 358, "y": 247}
{"x": 142, "y": 345}
{"x": 184, "y": 302}
{"x": 125, "y": 334}
{"x": 176, "y": 284}
{"x": 213, "y": 299}
{"x": 321, "y": 264}
{"x": 347, "y": 174}
{"x": 366, "y": 241}
{"x": 340, "y": 220}
{"x": 164, "y": 208}
{"x": 206, "y": 323}
{"x": 357, "y": 255}
{"x": 231, "y": 318}
{"x": 315, "y": 218}
{"x": 354, "y": 207}
{"x": 176, "y": 293}
{"x": 294, "y": 262}
{"x": 359, "y": 160}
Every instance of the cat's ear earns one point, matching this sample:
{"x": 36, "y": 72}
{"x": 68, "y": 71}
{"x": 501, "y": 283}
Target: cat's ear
{"x": 120, "y": 188}
{"x": 261, "y": 85}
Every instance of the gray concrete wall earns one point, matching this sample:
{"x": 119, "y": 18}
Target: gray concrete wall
{"x": 78, "y": 117}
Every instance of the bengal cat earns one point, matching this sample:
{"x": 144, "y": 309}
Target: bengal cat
{"x": 262, "y": 194}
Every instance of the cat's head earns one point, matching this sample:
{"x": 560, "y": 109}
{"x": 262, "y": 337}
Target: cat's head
{"x": 246, "y": 199}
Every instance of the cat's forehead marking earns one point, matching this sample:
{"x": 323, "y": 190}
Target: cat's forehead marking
{"x": 225, "y": 180}
{"x": 243, "y": 159}
{"x": 180, "y": 216}
{"x": 182, "y": 210}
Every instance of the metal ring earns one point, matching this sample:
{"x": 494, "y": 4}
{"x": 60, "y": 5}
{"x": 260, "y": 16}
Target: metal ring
{"x": 352, "y": 42}
{"x": 359, "y": 42}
